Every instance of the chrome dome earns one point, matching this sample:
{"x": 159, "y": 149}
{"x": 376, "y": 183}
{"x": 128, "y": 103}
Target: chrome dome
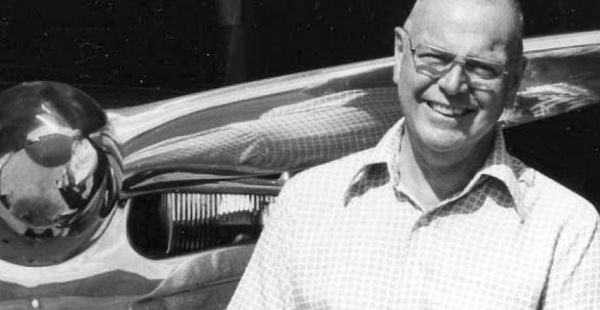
{"x": 59, "y": 173}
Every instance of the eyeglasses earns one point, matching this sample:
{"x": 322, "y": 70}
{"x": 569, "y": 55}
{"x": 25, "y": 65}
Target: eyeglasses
{"x": 436, "y": 62}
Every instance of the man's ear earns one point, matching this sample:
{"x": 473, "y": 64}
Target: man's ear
{"x": 398, "y": 48}
{"x": 519, "y": 72}
{"x": 516, "y": 76}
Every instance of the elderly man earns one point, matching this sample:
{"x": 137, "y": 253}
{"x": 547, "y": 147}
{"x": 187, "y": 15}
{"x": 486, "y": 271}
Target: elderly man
{"x": 437, "y": 215}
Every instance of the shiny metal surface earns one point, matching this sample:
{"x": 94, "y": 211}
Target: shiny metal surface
{"x": 174, "y": 137}
{"x": 255, "y": 98}
{"x": 59, "y": 173}
{"x": 112, "y": 275}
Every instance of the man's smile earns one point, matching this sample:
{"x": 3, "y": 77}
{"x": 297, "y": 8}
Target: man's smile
{"x": 447, "y": 110}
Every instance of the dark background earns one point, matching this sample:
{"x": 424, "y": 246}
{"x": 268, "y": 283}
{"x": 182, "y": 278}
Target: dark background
{"x": 129, "y": 52}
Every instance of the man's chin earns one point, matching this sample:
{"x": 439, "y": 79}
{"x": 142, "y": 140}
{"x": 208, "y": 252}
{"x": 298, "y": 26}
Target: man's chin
{"x": 445, "y": 142}
{"x": 453, "y": 142}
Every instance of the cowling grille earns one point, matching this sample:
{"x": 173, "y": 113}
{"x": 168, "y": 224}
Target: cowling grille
{"x": 174, "y": 223}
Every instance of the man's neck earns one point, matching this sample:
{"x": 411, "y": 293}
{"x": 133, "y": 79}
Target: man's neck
{"x": 432, "y": 177}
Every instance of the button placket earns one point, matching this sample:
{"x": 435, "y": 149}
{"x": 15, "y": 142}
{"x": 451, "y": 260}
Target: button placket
{"x": 415, "y": 269}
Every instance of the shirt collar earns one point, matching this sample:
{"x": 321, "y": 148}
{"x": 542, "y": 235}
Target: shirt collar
{"x": 510, "y": 171}
{"x": 500, "y": 165}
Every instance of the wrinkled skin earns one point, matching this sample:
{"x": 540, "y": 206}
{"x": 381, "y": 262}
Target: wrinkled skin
{"x": 487, "y": 34}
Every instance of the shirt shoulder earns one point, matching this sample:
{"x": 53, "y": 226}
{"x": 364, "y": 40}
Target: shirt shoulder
{"x": 323, "y": 184}
{"x": 553, "y": 202}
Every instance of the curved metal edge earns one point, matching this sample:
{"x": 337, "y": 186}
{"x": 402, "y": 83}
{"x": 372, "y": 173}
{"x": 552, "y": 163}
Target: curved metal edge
{"x": 549, "y": 42}
{"x": 112, "y": 259}
{"x": 131, "y": 122}
{"x": 557, "y": 80}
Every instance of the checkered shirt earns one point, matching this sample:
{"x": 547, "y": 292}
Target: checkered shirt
{"x": 344, "y": 235}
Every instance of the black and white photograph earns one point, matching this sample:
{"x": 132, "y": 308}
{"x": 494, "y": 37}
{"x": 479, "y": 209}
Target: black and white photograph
{"x": 277, "y": 154}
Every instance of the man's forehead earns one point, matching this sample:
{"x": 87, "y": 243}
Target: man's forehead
{"x": 459, "y": 22}
{"x": 512, "y": 4}
{"x": 469, "y": 45}
{"x": 427, "y": 12}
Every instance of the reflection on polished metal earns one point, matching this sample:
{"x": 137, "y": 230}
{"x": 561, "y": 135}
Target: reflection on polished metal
{"x": 60, "y": 173}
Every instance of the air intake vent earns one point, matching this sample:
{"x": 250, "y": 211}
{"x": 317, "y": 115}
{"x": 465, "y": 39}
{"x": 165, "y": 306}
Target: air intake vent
{"x": 169, "y": 224}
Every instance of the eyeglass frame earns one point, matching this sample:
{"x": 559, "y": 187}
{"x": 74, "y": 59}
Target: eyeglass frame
{"x": 457, "y": 59}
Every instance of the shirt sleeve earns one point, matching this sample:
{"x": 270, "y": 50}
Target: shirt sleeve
{"x": 266, "y": 282}
{"x": 574, "y": 279}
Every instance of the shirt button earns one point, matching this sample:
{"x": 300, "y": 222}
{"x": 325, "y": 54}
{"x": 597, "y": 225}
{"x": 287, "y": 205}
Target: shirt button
{"x": 400, "y": 196}
{"x": 423, "y": 221}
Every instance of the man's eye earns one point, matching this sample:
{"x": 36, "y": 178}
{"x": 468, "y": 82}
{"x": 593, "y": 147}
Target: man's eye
{"x": 483, "y": 70}
{"x": 434, "y": 59}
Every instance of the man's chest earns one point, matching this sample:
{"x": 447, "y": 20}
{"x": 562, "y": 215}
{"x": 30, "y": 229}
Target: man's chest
{"x": 381, "y": 255}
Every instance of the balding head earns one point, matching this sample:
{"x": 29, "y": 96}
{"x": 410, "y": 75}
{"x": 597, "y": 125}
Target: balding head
{"x": 453, "y": 110}
{"x": 425, "y": 12}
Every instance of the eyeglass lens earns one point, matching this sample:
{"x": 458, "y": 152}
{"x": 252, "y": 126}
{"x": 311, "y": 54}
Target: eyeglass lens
{"x": 436, "y": 62}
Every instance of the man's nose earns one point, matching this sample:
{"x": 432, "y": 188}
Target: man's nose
{"x": 454, "y": 81}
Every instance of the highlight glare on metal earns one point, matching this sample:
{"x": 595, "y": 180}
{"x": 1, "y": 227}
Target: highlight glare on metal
{"x": 58, "y": 173}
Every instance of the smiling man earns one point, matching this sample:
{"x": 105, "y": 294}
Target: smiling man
{"x": 438, "y": 215}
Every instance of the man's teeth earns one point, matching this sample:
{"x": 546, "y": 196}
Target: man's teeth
{"x": 446, "y": 110}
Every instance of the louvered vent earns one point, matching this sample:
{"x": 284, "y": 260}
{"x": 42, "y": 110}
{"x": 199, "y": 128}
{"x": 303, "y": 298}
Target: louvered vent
{"x": 169, "y": 224}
